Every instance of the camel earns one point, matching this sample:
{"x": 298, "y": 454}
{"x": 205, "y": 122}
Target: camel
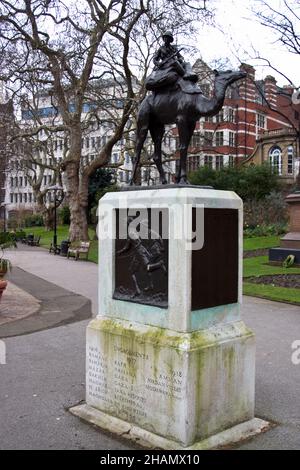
{"x": 174, "y": 106}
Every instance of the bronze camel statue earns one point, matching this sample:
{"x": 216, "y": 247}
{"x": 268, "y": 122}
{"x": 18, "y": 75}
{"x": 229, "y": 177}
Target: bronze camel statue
{"x": 174, "y": 106}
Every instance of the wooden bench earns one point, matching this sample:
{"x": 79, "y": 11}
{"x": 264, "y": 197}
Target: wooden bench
{"x": 77, "y": 250}
{"x": 34, "y": 242}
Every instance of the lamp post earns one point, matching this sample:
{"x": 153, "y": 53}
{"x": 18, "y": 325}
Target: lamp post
{"x": 55, "y": 189}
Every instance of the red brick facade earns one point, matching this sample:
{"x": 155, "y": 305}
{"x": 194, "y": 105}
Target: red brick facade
{"x": 250, "y": 110}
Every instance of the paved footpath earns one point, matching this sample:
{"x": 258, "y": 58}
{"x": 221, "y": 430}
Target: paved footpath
{"x": 44, "y": 374}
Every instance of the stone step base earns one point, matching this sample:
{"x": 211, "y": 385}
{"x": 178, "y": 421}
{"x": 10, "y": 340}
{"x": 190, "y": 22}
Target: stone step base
{"x": 148, "y": 439}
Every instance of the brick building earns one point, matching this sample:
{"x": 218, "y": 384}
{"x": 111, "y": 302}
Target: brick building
{"x": 249, "y": 113}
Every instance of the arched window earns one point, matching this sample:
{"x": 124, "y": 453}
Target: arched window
{"x": 275, "y": 158}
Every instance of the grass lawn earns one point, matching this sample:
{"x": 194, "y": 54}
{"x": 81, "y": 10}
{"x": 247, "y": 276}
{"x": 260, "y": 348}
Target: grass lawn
{"x": 256, "y": 243}
{"x": 257, "y": 267}
{"x": 63, "y": 234}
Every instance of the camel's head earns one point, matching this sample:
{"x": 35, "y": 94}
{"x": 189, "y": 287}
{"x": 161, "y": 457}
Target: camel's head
{"x": 228, "y": 77}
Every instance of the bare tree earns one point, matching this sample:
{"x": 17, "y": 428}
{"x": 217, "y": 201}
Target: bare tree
{"x": 285, "y": 24}
{"x": 92, "y": 52}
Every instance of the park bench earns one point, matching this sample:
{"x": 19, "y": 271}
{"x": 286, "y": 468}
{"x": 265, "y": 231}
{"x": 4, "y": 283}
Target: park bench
{"x": 77, "y": 250}
{"x": 28, "y": 240}
{"x": 34, "y": 242}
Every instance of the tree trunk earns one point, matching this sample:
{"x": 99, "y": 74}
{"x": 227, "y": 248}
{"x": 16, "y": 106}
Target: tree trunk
{"x": 78, "y": 220}
{"x": 48, "y": 217}
{"x": 77, "y": 196}
{"x": 77, "y": 188}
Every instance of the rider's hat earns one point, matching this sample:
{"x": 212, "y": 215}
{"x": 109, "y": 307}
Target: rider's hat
{"x": 168, "y": 34}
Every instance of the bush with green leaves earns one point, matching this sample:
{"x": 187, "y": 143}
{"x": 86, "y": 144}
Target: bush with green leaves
{"x": 249, "y": 182}
{"x": 64, "y": 215}
{"x": 6, "y": 241}
{"x": 34, "y": 220}
{"x": 265, "y": 230}
{"x": 268, "y": 211}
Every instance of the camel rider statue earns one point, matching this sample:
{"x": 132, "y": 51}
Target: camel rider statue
{"x": 170, "y": 67}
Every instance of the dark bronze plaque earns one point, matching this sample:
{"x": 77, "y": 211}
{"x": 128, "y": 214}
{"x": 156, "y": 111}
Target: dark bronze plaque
{"x": 215, "y": 266}
{"x": 141, "y": 263}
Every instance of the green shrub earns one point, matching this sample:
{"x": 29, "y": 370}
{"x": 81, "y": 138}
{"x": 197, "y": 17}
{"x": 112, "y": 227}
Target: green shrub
{"x": 19, "y": 235}
{"x": 268, "y": 211}
{"x": 265, "y": 230}
{"x": 64, "y": 215}
{"x": 34, "y": 220}
{"x": 249, "y": 182}
{"x": 5, "y": 237}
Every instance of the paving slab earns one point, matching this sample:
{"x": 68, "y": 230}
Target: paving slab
{"x": 16, "y": 304}
{"x": 57, "y": 306}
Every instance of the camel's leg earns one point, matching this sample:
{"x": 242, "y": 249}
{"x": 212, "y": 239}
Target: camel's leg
{"x": 141, "y": 134}
{"x": 185, "y": 131}
{"x": 157, "y": 132}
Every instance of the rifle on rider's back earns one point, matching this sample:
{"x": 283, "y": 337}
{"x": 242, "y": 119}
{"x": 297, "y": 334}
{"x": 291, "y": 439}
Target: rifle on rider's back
{"x": 170, "y": 57}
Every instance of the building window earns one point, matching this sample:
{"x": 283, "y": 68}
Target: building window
{"x": 230, "y": 115}
{"x": 208, "y": 119}
{"x": 208, "y": 138}
{"x": 127, "y": 158}
{"x": 93, "y": 142}
{"x": 230, "y": 160}
{"x": 196, "y": 141}
{"x": 25, "y": 198}
{"x": 208, "y": 161}
{"x": 45, "y": 180}
{"x": 30, "y": 197}
{"x": 219, "y": 162}
{"x": 115, "y": 157}
{"x": 193, "y": 162}
{"x": 260, "y": 121}
{"x": 11, "y": 197}
{"x": 220, "y": 116}
{"x": 219, "y": 139}
{"x": 290, "y": 160}
{"x": 231, "y": 139}
{"x": 275, "y": 158}
{"x": 16, "y": 198}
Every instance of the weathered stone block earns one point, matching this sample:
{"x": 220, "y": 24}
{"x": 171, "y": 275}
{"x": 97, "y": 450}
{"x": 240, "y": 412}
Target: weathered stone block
{"x": 184, "y": 387}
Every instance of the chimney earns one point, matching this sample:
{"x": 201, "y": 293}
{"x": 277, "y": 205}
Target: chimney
{"x": 248, "y": 89}
{"x": 271, "y": 90}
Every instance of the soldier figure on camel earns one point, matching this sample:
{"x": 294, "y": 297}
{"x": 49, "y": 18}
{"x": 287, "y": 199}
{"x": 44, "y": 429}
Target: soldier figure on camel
{"x": 170, "y": 67}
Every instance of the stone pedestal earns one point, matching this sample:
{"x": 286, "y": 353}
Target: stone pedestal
{"x": 290, "y": 243}
{"x": 169, "y": 361}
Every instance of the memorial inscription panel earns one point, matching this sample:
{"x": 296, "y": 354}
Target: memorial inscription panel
{"x": 132, "y": 383}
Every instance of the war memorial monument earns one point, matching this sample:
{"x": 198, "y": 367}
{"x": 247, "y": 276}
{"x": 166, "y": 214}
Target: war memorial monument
{"x": 169, "y": 362}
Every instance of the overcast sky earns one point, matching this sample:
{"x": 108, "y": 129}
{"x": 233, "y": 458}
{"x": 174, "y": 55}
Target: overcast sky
{"x": 242, "y": 33}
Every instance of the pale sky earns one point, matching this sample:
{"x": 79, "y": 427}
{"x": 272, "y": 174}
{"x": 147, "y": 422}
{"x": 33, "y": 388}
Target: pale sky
{"x": 241, "y": 34}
